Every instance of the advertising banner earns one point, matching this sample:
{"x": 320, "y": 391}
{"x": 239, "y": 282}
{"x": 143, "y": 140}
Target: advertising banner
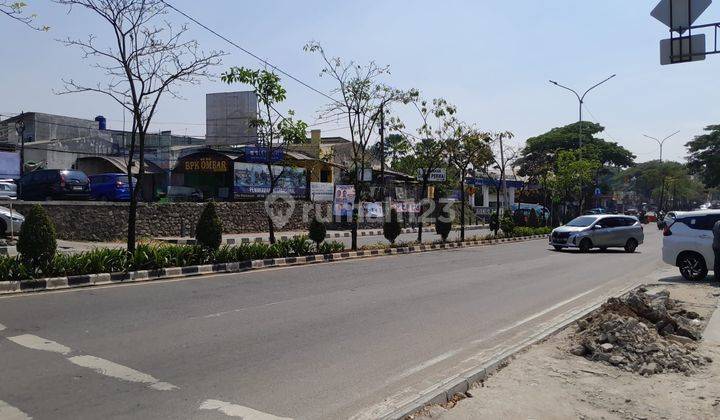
{"x": 344, "y": 200}
{"x": 321, "y": 192}
{"x": 9, "y": 165}
{"x": 255, "y": 154}
{"x": 406, "y": 207}
{"x": 373, "y": 210}
{"x": 253, "y": 180}
{"x": 437, "y": 175}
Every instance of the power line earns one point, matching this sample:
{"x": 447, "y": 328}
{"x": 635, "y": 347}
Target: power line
{"x": 250, "y": 53}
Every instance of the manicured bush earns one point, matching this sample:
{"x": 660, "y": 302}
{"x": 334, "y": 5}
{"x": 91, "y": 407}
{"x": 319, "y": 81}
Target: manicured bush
{"x": 13, "y": 269}
{"x": 208, "y": 232}
{"x": 391, "y": 228}
{"x": 317, "y": 232}
{"x": 494, "y": 222}
{"x": 507, "y": 224}
{"x": 542, "y": 220}
{"x": 443, "y": 226}
{"x": 519, "y": 218}
{"x": 533, "y": 219}
{"x": 37, "y": 243}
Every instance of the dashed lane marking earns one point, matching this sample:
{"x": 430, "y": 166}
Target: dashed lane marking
{"x": 234, "y": 410}
{"x": 8, "y": 412}
{"x": 2, "y": 327}
{"x": 38, "y": 343}
{"x": 114, "y": 370}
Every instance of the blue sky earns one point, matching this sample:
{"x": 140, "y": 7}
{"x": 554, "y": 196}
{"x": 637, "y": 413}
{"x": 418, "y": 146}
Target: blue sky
{"x": 492, "y": 59}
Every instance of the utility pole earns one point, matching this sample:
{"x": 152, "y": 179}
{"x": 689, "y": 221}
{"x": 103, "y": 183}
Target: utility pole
{"x": 662, "y": 142}
{"x": 581, "y": 101}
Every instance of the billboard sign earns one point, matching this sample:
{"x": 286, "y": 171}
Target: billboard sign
{"x": 255, "y": 154}
{"x": 406, "y": 206}
{"x": 253, "y": 180}
{"x": 344, "y": 200}
{"x": 322, "y": 191}
{"x": 373, "y": 210}
{"x": 437, "y": 175}
{"x": 9, "y": 165}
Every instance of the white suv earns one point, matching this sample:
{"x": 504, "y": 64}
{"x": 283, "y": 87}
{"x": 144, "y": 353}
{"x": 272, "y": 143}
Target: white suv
{"x": 687, "y": 242}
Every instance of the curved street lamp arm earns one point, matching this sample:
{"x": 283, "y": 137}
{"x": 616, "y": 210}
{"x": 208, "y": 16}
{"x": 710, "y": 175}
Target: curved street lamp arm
{"x": 671, "y": 135}
{"x": 566, "y": 88}
{"x": 653, "y": 138}
{"x": 588, "y": 91}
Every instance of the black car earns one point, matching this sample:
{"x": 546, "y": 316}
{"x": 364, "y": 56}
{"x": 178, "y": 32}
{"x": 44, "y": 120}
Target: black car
{"x": 54, "y": 184}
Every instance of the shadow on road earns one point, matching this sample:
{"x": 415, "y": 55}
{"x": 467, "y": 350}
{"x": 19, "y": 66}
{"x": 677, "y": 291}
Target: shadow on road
{"x": 710, "y": 281}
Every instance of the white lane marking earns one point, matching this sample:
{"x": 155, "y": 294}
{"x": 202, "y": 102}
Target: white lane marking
{"x": 234, "y": 410}
{"x": 114, "y": 370}
{"x": 38, "y": 343}
{"x": 423, "y": 365}
{"x": 8, "y": 412}
{"x": 2, "y": 327}
{"x": 546, "y": 311}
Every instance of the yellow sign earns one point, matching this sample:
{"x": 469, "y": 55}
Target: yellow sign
{"x": 206, "y": 164}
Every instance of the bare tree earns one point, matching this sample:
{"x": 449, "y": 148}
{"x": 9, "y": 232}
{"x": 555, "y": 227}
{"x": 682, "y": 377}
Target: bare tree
{"x": 145, "y": 61}
{"x": 364, "y": 101}
{"x": 276, "y": 132}
{"x": 14, "y": 10}
{"x": 467, "y": 148}
{"x": 503, "y": 157}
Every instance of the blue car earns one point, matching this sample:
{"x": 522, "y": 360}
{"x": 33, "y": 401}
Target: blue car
{"x": 110, "y": 187}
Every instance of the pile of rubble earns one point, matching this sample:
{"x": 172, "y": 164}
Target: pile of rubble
{"x": 643, "y": 332}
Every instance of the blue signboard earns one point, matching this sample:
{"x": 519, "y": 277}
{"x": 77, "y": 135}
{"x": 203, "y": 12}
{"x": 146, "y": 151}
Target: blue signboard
{"x": 255, "y": 154}
{"x": 9, "y": 165}
{"x": 487, "y": 182}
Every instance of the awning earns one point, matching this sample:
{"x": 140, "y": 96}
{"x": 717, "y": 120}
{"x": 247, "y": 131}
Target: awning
{"x": 120, "y": 163}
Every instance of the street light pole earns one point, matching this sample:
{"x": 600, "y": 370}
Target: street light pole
{"x": 20, "y": 129}
{"x": 581, "y": 101}
{"x": 661, "y": 142}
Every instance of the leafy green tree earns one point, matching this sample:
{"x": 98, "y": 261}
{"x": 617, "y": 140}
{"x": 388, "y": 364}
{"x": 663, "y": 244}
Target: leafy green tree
{"x": 37, "y": 243}
{"x": 519, "y": 218}
{"x": 494, "y": 223}
{"x": 704, "y": 156}
{"x": 572, "y": 172}
{"x": 663, "y": 183}
{"x": 275, "y": 131}
{"x": 208, "y": 232}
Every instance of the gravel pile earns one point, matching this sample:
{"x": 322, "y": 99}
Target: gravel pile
{"x": 643, "y": 332}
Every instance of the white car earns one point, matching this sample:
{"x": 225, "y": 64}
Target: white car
{"x": 8, "y": 190}
{"x": 687, "y": 242}
{"x": 10, "y": 222}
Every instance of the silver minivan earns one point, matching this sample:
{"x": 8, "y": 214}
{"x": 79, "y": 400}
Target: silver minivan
{"x": 599, "y": 231}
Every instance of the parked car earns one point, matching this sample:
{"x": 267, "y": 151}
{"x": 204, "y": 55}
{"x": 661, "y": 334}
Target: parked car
{"x": 110, "y": 187}
{"x": 687, "y": 242}
{"x": 10, "y": 221}
{"x": 599, "y": 231}
{"x": 55, "y": 184}
{"x": 8, "y": 190}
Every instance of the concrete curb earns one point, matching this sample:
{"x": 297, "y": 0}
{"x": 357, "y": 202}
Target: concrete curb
{"x": 89, "y": 280}
{"x": 442, "y": 392}
{"x": 361, "y": 233}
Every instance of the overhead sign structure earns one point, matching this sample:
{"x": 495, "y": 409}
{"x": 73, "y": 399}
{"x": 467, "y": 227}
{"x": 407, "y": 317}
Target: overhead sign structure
{"x": 682, "y": 49}
{"x": 679, "y": 15}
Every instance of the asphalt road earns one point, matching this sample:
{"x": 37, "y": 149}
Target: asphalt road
{"x": 340, "y": 340}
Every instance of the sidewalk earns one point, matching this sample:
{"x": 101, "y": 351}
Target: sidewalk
{"x": 233, "y": 239}
{"x": 548, "y": 382}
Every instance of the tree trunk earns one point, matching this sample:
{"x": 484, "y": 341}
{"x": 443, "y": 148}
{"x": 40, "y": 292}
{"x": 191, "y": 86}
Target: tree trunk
{"x": 497, "y": 206}
{"x": 462, "y": 208}
{"x": 423, "y": 197}
{"x": 354, "y": 225}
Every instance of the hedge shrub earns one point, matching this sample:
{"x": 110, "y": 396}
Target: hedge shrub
{"x": 317, "y": 232}
{"x": 208, "y": 232}
{"x": 443, "y": 226}
{"x": 391, "y": 228}
{"x": 37, "y": 243}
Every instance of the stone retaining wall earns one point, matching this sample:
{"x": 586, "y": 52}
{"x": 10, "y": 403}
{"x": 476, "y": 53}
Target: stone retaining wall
{"x": 103, "y": 221}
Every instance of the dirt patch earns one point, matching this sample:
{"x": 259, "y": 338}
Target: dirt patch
{"x": 548, "y": 382}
